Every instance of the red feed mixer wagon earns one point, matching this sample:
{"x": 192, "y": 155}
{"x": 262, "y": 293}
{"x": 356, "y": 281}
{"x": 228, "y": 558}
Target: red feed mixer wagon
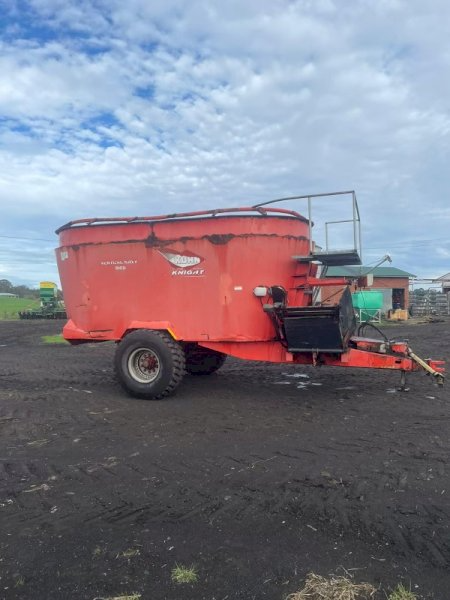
{"x": 181, "y": 292}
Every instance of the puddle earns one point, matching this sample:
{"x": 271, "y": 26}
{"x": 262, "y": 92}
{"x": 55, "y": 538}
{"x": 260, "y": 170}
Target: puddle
{"x": 304, "y": 375}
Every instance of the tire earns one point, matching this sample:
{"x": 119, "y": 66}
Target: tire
{"x": 149, "y": 364}
{"x": 202, "y": 361}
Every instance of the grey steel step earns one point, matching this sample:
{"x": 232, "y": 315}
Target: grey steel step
{"x": 337, "y": 258}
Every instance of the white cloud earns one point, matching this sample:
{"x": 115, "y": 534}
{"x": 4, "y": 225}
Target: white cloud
{"x": 113, "y": 108}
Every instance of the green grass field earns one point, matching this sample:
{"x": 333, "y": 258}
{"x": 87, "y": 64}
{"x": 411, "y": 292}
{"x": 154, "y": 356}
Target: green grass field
{"x": 10, "y": 307}
{"x": 54, "y": 339}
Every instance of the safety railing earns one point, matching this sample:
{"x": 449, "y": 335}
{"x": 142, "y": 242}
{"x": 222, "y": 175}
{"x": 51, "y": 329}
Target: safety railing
{"x": 187, "y": 215}
{"x": 355, "y": 220}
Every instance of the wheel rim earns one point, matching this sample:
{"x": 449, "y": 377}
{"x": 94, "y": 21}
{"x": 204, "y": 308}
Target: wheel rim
{"x": 144, "y": 365}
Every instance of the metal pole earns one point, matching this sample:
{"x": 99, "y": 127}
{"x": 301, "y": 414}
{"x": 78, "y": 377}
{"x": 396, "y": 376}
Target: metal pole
{"x": 360, "y": 242}
{"x": 354, "y": 221}
{"x": 359, "y": 228}
{"x": 310, "y": 226}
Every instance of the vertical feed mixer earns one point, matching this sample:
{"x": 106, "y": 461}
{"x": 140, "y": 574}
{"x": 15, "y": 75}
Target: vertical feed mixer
{"x": 180, "y": 292}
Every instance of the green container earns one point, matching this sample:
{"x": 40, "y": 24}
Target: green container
{"x": 367, "y": 304}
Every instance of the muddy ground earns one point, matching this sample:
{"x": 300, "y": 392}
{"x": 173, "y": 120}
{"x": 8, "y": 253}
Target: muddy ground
{"x": 256, "y": 475}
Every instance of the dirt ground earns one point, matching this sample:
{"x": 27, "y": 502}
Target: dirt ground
{"x": 255, "y": 475}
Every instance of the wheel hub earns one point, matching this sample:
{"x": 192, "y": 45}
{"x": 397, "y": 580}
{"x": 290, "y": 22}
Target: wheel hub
{"x": 144, "y": 365}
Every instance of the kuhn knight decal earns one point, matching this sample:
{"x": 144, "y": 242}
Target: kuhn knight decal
{"x": 185, "y": 263}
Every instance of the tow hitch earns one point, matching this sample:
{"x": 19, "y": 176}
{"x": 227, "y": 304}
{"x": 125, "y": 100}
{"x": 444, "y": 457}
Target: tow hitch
{"x": 432, "y": 367}
{"x": 406, "y": 360}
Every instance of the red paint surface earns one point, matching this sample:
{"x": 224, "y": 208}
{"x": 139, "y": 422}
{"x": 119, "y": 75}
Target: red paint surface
{"x": 115, "y": 274}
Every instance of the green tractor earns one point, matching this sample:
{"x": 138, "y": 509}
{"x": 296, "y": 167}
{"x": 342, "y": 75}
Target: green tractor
{"x": 51, "y": 307}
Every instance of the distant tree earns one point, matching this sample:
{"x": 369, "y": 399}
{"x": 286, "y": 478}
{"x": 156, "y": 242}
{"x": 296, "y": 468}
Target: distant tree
{"x": 419, "y": 292}
{"x": 6, "y": 286}
{"x": 23, "y": 291}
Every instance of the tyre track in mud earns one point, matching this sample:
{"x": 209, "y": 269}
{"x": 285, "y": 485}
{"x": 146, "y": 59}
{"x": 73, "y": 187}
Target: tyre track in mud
{"x": 346, "y": 455}
{"x": 347, "y": 507}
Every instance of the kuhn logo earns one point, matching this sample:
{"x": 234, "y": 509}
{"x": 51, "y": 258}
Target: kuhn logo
{"x": 185, "y": 262}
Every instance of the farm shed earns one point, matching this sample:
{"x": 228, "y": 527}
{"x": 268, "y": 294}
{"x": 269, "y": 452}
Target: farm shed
{"x": 393, "y": 282}
{"x": 445, "y": 282}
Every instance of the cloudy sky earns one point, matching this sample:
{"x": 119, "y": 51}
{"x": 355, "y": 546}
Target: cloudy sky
{"x": 113, "y": 108}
